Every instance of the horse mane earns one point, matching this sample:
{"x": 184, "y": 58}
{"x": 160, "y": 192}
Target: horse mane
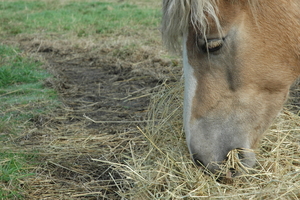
{"x": 178, "y": 15}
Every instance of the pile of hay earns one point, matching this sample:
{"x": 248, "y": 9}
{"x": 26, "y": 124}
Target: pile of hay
{"x": 164, "y": 170}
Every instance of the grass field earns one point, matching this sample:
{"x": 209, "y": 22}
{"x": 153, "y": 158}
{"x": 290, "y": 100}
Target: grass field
{"x": 23, "y": 98}
{"x": 91, "y": 108}
{"x": 79, "y": 18}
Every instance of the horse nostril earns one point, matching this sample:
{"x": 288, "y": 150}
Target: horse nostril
{"x": 197, "y": 161}
{"x": 241, "y": 153}
{"x": 233, "y": 172}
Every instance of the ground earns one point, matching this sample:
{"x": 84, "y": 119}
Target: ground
{"x": 105, "y": 94}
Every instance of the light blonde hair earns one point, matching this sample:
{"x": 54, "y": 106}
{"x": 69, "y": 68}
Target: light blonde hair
{"x": 178, "y": 15}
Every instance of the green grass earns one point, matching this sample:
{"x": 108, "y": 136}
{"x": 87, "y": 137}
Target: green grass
{"x": 16, "y": 69}
{"x": 22, "y": 93}
{"x": 80, "y": 18}
{"x": 13, "y": 169}
{"x": 22, "y": 97}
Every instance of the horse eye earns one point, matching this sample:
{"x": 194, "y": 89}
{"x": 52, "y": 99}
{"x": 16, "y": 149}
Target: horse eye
{"x": 213, "y": 45}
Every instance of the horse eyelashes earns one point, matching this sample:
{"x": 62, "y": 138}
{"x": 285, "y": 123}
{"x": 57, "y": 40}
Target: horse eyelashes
{"x": 212, "y": 45}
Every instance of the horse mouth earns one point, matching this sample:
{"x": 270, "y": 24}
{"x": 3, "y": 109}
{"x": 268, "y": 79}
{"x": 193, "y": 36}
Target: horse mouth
{"x": 233, "y": 166}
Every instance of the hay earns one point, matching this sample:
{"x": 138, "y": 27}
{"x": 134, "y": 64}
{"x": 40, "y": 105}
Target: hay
{"x": 164, "y": 170}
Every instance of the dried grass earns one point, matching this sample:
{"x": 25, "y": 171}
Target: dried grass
{"x": 164, "y": 170}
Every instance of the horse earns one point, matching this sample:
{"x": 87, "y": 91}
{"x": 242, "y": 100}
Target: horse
{"x": 240, "y": 58}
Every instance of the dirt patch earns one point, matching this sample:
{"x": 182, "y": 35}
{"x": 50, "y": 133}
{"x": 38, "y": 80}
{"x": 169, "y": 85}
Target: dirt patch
{"x": 104, "y": 85}
{"x": 105, "y": 94}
